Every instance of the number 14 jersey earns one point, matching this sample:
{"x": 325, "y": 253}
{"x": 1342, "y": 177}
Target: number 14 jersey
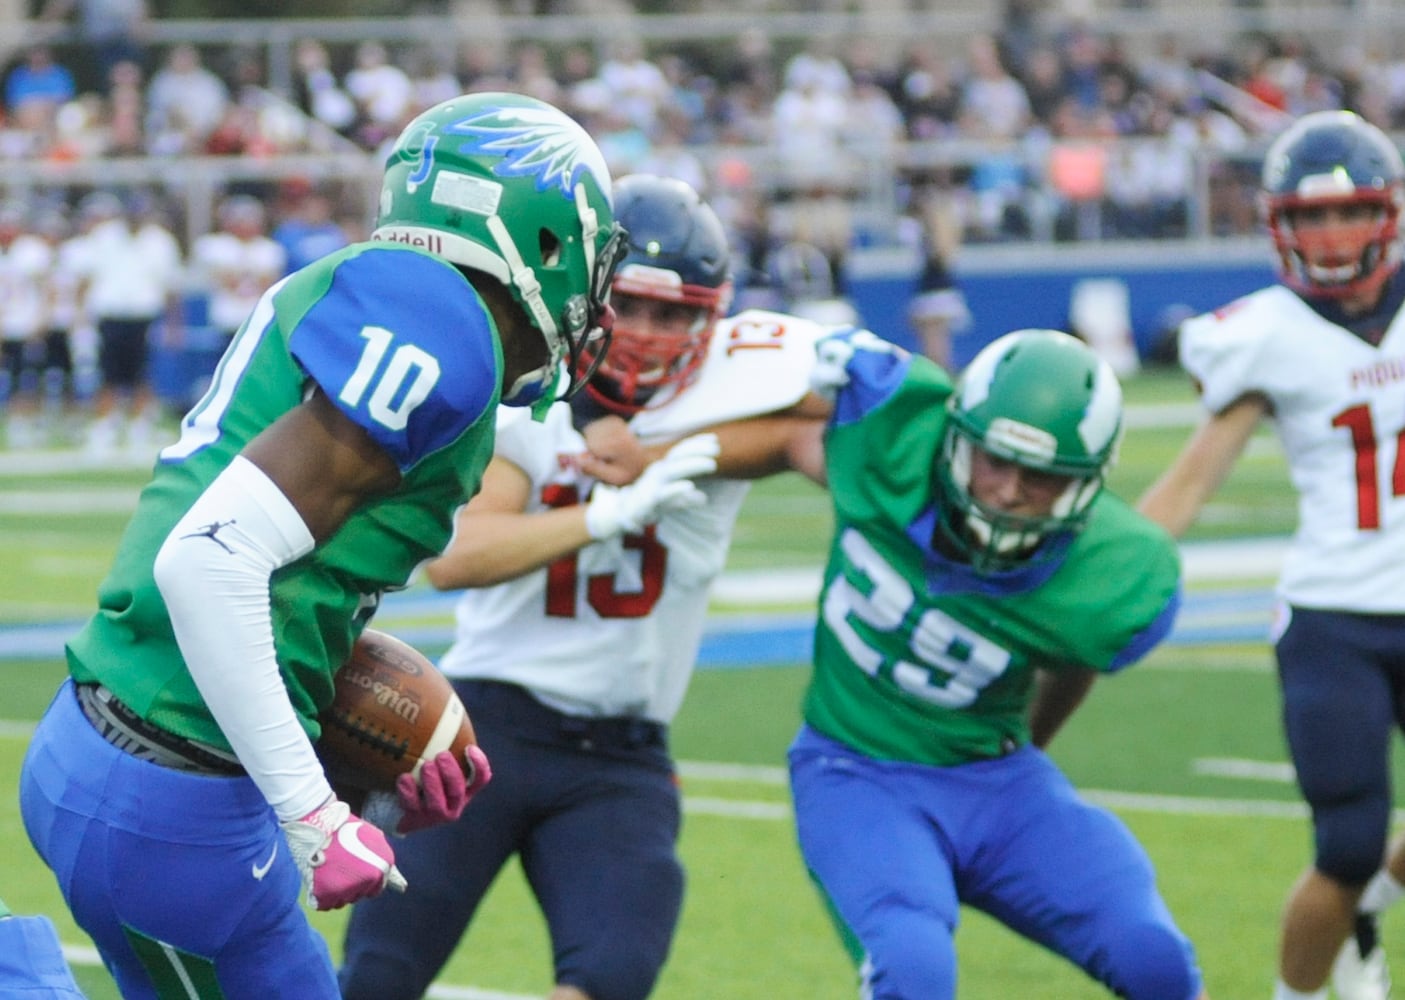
{"x": 1338, "y": 405}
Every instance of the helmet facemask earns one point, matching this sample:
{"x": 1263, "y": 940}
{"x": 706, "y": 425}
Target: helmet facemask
{"x": 673, "y": 287}
{"x": 1346, "y": 258}
{"x": 1044, "y": 402}
{"x": 995, "y": 540}
{"x": 585, "y": 324}
{"x": 662, "y": 332}
{"x": 1333, "y": 187}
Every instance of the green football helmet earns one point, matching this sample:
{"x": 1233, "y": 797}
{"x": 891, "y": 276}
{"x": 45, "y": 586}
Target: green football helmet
{"x": 1043, "y": 400}
{"x": 510, "y": 186}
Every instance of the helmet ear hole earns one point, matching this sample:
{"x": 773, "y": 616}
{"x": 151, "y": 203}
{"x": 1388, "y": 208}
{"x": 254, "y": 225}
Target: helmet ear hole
{"x": 550, "y": 248}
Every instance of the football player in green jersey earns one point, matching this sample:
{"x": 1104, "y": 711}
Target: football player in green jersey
{"x": 978, "y": 580}
{"x": 172, "y": 785}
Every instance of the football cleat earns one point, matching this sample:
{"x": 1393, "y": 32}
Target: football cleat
{"x": 1360, "y": 971}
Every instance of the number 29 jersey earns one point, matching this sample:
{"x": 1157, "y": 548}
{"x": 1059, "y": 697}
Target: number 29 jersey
{"x": 917, "y": 657}
{"x": 1338, "y": 406}
{"x": 614, "y": 628}
{"x": 422, "y": 382}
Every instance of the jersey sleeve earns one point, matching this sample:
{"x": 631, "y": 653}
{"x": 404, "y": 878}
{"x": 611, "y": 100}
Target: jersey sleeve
{"x": 528, "y": 443}
{"x": 1123, "y": 583}
{"x": 875, "y": 374}
{"x": 758, "y": 362}
{"x": 402, "y": 344}
{"x": 1223, "y": 351}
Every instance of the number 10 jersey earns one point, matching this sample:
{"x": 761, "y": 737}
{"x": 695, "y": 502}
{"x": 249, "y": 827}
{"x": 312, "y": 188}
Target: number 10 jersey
{"x": 404, "y": 347}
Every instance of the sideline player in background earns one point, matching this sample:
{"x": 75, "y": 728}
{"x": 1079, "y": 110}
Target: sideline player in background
{"x": 1321, "y": 356}
{"x": 236, "y": 262}
{"x": 978, "y": 582}
{"x": 172, "y": 785}
{"x": 576, "y": 648}
{"x": 25, "y": 260}
{"x": 132, "y": 278}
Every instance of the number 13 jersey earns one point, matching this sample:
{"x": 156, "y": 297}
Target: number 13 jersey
{"x": 613, "y": 629}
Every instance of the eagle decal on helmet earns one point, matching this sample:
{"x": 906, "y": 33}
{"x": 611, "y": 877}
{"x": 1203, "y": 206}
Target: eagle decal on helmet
{"x": 539, "y": 143}
{"x": 427, "y": 140}
{"x": 508, "y": 186}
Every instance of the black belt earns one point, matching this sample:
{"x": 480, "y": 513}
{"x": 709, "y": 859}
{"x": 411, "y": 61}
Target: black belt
{"x": 612, "y": 732}
{"x": 129, "y": 732}
{"x": 513, "y": 703}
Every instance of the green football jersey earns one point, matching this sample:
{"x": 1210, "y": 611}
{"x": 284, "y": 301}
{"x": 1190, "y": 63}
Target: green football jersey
{"x": 917, "y": 657}
{"x": 405, "y": 347}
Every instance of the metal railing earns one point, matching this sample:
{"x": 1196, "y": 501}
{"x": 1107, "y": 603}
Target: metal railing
{"x": 873, "y": 183}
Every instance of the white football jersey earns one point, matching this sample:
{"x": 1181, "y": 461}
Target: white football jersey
{"x": 64, "y": 283}
{"x": 23, "y": 266}
{"x": 235, "y": 273}
{"x": 1339, "y": 408}
{"x": 614, "y": 628}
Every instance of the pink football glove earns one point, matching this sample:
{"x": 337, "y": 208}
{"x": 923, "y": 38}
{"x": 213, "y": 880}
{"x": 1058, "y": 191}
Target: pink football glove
{"x": 442, "y": 792}
{"x": 342, "y": 857}
{"x": 439, "y": 796}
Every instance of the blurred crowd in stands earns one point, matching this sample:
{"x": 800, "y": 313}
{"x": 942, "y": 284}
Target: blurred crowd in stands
{"x": 1028, "y": 108}
{"x": 1028, "y": 132}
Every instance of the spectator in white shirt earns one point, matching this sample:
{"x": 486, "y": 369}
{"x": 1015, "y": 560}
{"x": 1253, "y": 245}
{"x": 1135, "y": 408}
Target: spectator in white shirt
{"x": 994, "y": 104}
{"x": 384, "y": 94}
{"x": 24, "y": 260}
{"x": 637, "y": 88}
{"x": 133, "y": 273}
{"x": 185, "y": 102}
{"x": 236, "y": 263}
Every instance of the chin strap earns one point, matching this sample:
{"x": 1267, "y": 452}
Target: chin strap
{"x": 590, "y": 228}
{"x": 524, "y": 279}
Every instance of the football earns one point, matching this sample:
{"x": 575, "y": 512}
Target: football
{"x": 391, "y": 711}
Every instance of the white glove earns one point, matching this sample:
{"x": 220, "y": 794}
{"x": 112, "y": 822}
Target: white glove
{"x": 342, "y": 857}
{"x": 833, "y": 354}
{"x": 664, "y": 486}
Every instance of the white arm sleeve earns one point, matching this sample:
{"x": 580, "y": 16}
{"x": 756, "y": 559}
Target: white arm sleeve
{"x": 213, "y": 571}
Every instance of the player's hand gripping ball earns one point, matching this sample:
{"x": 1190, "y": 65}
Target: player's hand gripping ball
{"x": 392, "y": 711}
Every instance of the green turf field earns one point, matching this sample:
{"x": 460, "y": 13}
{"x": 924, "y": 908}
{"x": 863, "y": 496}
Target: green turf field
{"x": 1186, "y": 748}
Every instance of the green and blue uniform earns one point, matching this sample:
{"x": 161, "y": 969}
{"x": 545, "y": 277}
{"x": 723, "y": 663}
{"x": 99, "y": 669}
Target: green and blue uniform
{"x": 916, "y": 786}
{"x": 32, "y": 965}
{"x": 405, "y": 347}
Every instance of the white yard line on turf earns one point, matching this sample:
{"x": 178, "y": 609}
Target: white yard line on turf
{"x": 1277, "y": 771}
{"x": 71, "y": 500}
